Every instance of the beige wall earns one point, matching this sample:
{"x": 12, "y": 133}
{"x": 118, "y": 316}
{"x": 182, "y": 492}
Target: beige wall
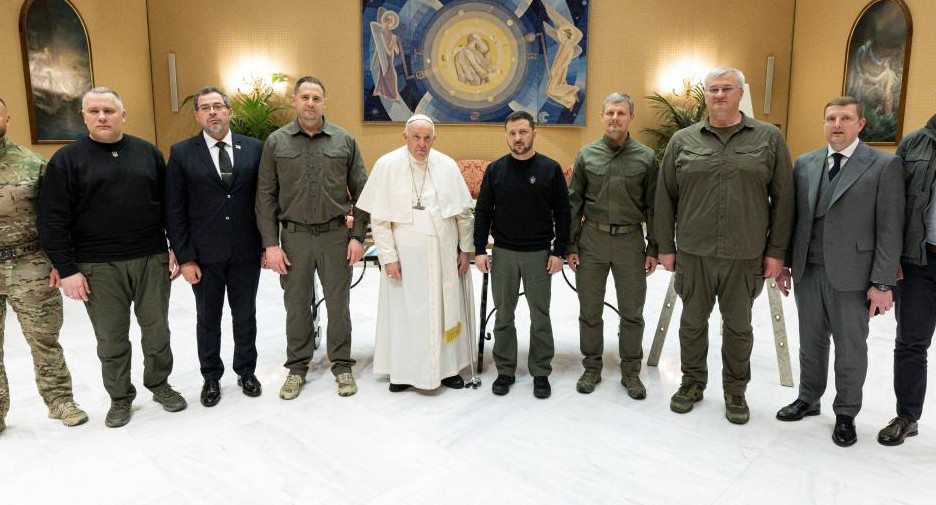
{"x": 120, "y": 54}
{"x": 822, "y": 30}
{"x": 631, "y": 43}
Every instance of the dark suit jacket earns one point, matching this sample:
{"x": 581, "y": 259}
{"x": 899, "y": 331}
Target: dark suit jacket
{"x": 863, "y": 233}
{"x": 207, "y": 222}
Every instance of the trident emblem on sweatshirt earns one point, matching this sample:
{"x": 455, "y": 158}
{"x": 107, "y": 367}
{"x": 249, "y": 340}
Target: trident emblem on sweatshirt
{"x": 532, "y": 179}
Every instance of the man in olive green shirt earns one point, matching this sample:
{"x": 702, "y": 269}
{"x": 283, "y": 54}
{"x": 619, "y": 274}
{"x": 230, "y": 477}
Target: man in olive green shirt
{"x": 728, "y": 183}
{"x": 311, "y": 172}
{"x": 612, "y": 190}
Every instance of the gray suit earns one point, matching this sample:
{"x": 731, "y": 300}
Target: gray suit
{"x": 848, "y": 235}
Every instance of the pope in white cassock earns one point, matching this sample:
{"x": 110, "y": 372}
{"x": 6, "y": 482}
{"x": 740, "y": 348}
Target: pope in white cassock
{"x": 422, "y": 226}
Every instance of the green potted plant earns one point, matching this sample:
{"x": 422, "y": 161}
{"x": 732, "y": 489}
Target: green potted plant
{"x": 258, "y": 112}
{"x": 675, "y": 113}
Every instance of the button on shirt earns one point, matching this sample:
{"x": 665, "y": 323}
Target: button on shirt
{"x": 733, "y": 199}
{"x": 613, "y": 185}
{"x": 309, "y": 179}
{"x": 214, "y": 149}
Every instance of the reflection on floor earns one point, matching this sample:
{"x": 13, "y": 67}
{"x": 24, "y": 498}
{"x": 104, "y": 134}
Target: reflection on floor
{"x": 446, "y": 446}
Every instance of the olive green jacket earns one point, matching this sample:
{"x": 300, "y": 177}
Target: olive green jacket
{"x": 613, "y": 185}
{"x": 733, "y": 200}
{"x": 309, "y": 180}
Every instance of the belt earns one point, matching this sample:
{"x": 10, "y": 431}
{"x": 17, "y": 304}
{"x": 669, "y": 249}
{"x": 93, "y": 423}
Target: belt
{"x": 10, "y": 252}
{"x": 930, "y": 247}
{"x": 613, "y": 229}
{"x": 314, "y": 229}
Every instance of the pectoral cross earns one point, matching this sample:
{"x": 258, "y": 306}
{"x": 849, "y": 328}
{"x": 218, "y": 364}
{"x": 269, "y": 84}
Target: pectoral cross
{"x": 419, "y": 206}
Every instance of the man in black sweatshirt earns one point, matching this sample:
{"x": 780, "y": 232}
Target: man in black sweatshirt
{"x": 524, "y": 204}
{"x": 101, "y": 222}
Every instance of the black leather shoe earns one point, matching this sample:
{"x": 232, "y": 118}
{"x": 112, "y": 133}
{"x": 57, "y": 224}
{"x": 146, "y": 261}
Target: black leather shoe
{"x": 210, "y": 393}
{"x": 396, "y": 388}
{"x": 249, "y": 384}
{"x": 796, "y": 411}
{"x": 541, "y": 388}
{"x": 895, "y": 432}
{"x": 454, "y": 382}
{"x": 502, "y": 384}
{"x": 844, "y": 433}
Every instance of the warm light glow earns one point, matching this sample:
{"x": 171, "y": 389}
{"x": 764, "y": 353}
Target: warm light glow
{"x": 250, "y": 68}
{"x": 677, "y": 77}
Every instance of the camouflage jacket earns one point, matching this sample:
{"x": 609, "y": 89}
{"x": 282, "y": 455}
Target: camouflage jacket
{"x": 20, "y": 172}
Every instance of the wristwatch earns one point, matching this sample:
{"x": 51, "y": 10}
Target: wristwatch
{"x": 882, "y": 287}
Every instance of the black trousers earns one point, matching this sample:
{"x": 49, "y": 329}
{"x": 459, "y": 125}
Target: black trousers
{"x": 916, "y": 320}
{"x": 240, "y": 279}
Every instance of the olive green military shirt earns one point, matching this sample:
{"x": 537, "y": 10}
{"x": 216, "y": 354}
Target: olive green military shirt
{"x": 613, "y": 185}
{"x": 309, "y": 180}
{"x": 732, "y": 200}
{"x": 20, "y": 172}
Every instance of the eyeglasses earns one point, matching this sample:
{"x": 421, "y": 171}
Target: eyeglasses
{"x": 207, "y": 107}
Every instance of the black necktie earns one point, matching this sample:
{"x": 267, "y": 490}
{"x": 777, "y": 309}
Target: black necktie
{"x": 224, "y": 163}
{"x": 836, "y": 164}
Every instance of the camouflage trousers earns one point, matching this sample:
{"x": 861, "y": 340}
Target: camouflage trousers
{"x": 24, "y": 282}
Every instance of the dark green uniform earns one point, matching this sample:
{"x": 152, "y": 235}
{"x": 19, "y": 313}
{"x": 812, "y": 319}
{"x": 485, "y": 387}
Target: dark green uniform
{"x": 613, "y": 189}
{"x": 307, "y": 184}
{"x": 24, "y": 277}
{"x": 731, "y": 192}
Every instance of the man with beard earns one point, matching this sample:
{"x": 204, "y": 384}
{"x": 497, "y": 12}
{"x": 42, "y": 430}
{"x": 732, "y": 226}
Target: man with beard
{"x": 612, "y": 190}
{"x": 102, "y": 223}
{"x": 211, "y": 186}
{"x": 28, "y": 281}
{"x": 524, "y": 203}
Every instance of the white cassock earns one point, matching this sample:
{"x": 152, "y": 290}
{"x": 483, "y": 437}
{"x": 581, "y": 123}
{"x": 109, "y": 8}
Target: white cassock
{"x": 425, "y": 322}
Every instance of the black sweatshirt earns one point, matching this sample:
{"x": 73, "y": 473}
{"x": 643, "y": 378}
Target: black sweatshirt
{"x": 524, "y": 204}
{"x": 102, "y": 202}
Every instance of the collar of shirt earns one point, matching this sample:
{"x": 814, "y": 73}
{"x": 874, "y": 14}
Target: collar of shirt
{"x": 212, "y": 142}
{"x": 215, "y": 151}
{"x": 748, "y": 122}
{"x": 293, "y": 128}
{"x": 614, "y": 147}
{"x": 848, "y": 152}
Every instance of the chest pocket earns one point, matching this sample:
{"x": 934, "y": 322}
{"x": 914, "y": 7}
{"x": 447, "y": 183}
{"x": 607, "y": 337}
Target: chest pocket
{"x": 915, "y": 167}
{"x": 758, "y": 159}
{"x": 290, "y": 163}
{"x": 332, "y": 166}
{"x": 694, "y": 160}
{"x": 18, "y": 199}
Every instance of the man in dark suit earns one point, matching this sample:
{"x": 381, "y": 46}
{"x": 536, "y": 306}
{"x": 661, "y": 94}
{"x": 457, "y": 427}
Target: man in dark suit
{"x": 211, "y": 184}
{"x": 845, "y": 250}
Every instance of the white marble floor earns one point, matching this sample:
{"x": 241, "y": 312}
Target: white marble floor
{"x": 451, "y": 447}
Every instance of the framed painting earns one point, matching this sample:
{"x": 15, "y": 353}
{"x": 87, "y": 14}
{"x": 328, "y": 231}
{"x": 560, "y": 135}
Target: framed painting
{"x": 57, "y": 64}
{"x": 876, "y": 68}
{"x": 475, "y": 61}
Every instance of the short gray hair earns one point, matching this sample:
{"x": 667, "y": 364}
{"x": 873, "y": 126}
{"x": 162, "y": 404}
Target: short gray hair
{"x": 715, "y": 73}
{"x": 101, "y": 90}
{"x": 208, "y": 90}
{"x": 618, "y": 97}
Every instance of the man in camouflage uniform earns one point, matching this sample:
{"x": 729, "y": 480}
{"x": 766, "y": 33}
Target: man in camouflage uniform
{"x": 26, "y": 281}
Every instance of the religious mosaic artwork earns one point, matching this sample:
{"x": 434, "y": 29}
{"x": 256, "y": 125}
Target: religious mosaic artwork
{"x": 57, "y": 61}
{"x": 475, "y": 61}
{"x": 876, "y": 68}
